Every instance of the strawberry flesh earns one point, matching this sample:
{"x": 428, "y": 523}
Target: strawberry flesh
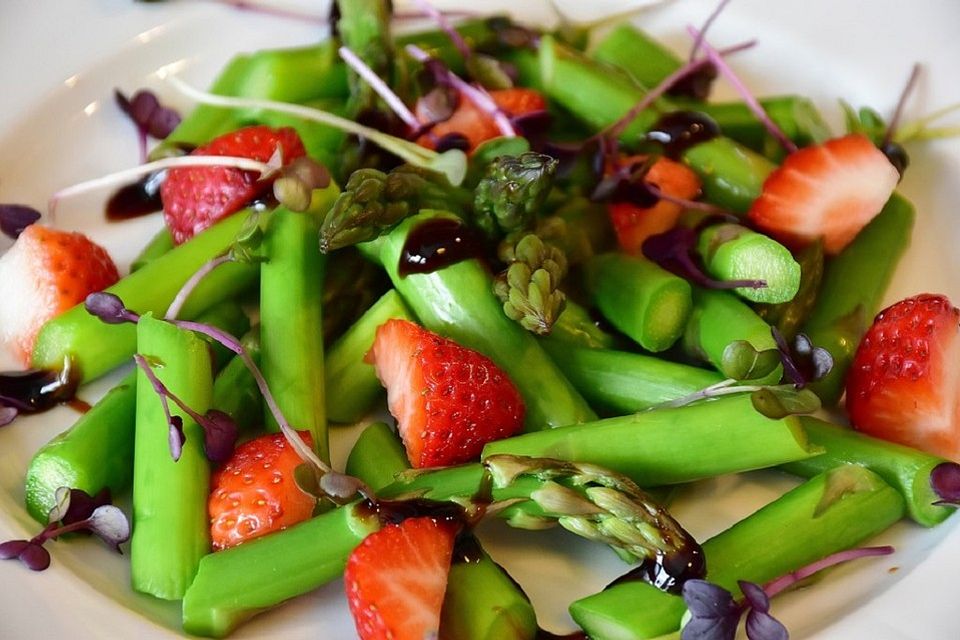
{"x": 905, "y": 378}
{"x": 194, "y": 198}
{"x": 396, "y": 578}
{"x": 831, "y": 190}
{"x": 449, "y": 401}
{"x": 44, "y": 273}
{"x": 255, "y": 492}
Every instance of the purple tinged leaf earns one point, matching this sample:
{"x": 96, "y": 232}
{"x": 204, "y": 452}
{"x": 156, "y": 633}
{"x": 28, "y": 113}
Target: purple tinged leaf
{"x": 111, "y": 525}
{"x": 14, "y": 218}
{"x": 438, "y": 104}
{"x": 109, "y": 308}
{"x": 711, "y": 628}
{"x": 705, "y": 599}
{"x": 13, "y": 548}
{"x": 163, "y": 122}
{"x": 945, "y": 482}
{"x": 762, "y": 626}
{"x": 35, "y": 557}
{"x": 147, "y": 113}
{"x": 82, "y": 505}
{"x": 7, "y": 415}
{"x": 804, "y": 363}
{"x": 219, "y": 436}
{"x": 176, "y": 437}
{"x": 755, "y": 596}
{"x": 142, "y": 106}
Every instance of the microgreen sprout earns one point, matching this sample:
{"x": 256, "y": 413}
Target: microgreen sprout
{"x": 150, "y": 117}
{"x": 888, "y": 137}
{"x": 380, "y": 87}
{"x": 675, "y": 251}
{"x": 714, "y": 614}
{"x": 74, "y": 511}
{"x": 14, "y": 218}
{"x": 453, "y": 164}
{"x": 176, "y": 305}
{"x": 695, "y": 49}
{"x": 773, "y": 401}
{"x": 109, "y": 308}
{"x": 945, "y": 482}
{"x": 802, "y": 362}
{"x": 433, "y": 13}
{"x": 220, "y": 431}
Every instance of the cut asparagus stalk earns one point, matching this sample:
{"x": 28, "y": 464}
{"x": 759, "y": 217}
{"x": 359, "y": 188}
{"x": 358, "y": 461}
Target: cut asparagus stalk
{"x": 903, "y": 468}
{"x": 732, "y": 175}
{"x": 352, "y": 385}
{"x": 733, "y": 252}
{"x": 783, "y": 536}
{"x": 160, "y": 244}
{"x": 457, "y": 301}
{"x": 377, "y": 457}
{"x": 171, "y": 531}
{"x": 641, "y": 299}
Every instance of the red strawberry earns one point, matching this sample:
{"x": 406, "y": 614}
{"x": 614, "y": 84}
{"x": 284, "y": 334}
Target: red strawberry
{"x": 396, "y": 578}
{"x": 905, "y": 378}
{"x": 194, "y": 198}
{"x": 44, "y": 273}
{"x": 255, "y": 493}
{"x": 448, "y": 400}
{"x": 477, "y": 125}
{"x": 635, "y": 224}
{"x": 831, "y": 190}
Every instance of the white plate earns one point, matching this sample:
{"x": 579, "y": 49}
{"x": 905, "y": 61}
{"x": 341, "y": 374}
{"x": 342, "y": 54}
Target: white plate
{"x": 58, "y": 125}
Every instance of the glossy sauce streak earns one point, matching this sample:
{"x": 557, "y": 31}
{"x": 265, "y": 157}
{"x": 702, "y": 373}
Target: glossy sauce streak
{"x": 78, "y": 405}
{"x": 436, "y": 244}
{"x": 679, "y": 130}
{"x": 136, "y": 199}
{"x": 36, "y": 390}
{"x": 396, "y": 511}
{"x": 668, "y": 573}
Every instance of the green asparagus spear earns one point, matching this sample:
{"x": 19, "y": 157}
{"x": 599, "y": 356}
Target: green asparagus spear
{"x": 290, "y": 320}
{"x": 788, "y": 316}
{"x": 364, "y": 28}
{"x": 717, "y": 320}
{"x": 96, "y": 347}
{"x": 97, "y": 451}
{"x": 529, "y": 287}
{"x": 171, "y": 531}
{"x": 636, "y": 52}
{"x": 160, "y": 244}
{"x": 377, "y": 457}
{"x": 674, "y": 445}
{"x": 790, "y": 532}
{"x": 512, "y": 192}
{"x": 732, "y": 175}
{"x": 903, "y": 468}
{"x": 645, "y": 302}
{"x": 620, "y": 382}
{"x": 852, "y": 289}
{"x": 351, "y": 384}
{"x": 350, "y": 288}
{"x": 733, "y": 252}
{"x": 458, "y": 301}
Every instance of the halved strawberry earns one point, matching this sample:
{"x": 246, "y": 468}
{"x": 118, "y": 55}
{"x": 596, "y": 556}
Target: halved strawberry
{"x": 194, "y": 198}
{"x": 44, "y": 273}
{"x": 255, "y": 493}
{"x": 831, "y": 190}
{"x": 396, "y": 578}
{"x": 904, "y": 385}
{"x": 449, "y": 401}
{"x": 634, "y": 224}
{"x": 476, "y": 125}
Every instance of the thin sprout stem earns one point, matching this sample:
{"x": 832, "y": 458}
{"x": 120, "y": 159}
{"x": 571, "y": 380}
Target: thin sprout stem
{"x": 690, "y": 204}
{"x": 741, "y": 88}
{"x": 161, "y": 390}
{"x": 444, "y": 24}
{"x": 380, "y": 87}
{"x": 778, "y": 585}
{"x": 181, "y": 298}
{"x": 412, "y": 153}
{"x": 126, "y": 175}
{"x": 723, "y": 388}
{"x": 901, "y": 103}
{"x": 934, "y": 133}
{"x": 477, "y": 96}
{"x": 228, "y": 341}
{"x": 706, "y": 26}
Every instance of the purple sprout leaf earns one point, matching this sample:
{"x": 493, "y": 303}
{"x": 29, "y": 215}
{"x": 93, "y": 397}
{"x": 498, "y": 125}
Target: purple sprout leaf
{"x": 82, "y": 505}
{"x": 674, "y": 250}
{"x": 110, "y": 525}
{"x": 437, "y": 105}
{"x": 7, "y": 415}
{"x": 754, "y": 595}
{"x": 219, "y": 436}
{"x": 147, "y": 113}
{"x": 162, "y": 123}
{"x": 945, "y": 482}
{"x": 61, "y": 505}
{"x": 714, "y": 614}
{"x": 109, "y": 308}
{"x": 14, "y": 218}
{"x": 803, "y": 363}
{"x": 176, "y": 437}
{"x": 35, "y": 557}
{"x": 763, "y": 626}
{"x": 12, "y": 549}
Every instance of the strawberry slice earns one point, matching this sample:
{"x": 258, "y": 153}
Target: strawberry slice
{"x": 449, "y": 401}
{"x": 831, "y": 190}
{"x": 904, "y": 382}
{"x": 254, "y": 493}
{"x": 476, "y": 125}
{"x": 634, "y": 224}
{"x": 194, "y": 198}
{"x": 43, "y": 274}
{"x": 396, "y": 578}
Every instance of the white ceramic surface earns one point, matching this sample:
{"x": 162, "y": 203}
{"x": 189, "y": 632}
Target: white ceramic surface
{"x": 58, "y": 125}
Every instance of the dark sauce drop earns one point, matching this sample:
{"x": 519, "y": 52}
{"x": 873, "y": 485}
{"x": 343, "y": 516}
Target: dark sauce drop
{"x": 396, "y": 511}
{"x": 37, "y": 390}
{"x": 696, "y": 85}
{"x": 78, "y": 405}
{"x": 897, "y": 156}
{"x": 438, "y": 243}
{"x": 136, "y": 199}
{"x": 670, "y": 572}
{"x": 467, "y": 550}
{"x": 677, "y": 131}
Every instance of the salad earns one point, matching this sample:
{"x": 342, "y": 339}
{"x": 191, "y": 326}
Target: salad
{"x": 612, "y": 185}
